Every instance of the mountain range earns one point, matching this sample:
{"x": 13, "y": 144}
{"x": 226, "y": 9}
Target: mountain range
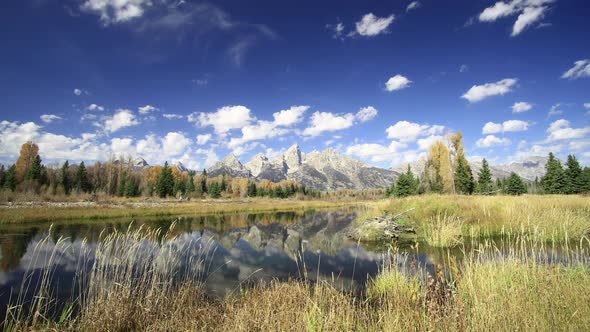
{"x": 330, "y": 170}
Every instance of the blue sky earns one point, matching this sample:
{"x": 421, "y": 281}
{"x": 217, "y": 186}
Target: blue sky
{"x": 376, "y": 80}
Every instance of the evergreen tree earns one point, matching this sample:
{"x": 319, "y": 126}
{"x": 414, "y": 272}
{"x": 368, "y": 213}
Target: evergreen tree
{"x": 223, "y": 185}
{"x": 2, "y": 176}
{"x": 464, "y": 182}
{"x": 65, "y": 178}
{"x": 131, "y": 187}
{"x": 214, "y": 190}
{"x": 191, "y": 183}
{"x": 252, "y": 189}
{"x": 121, "y": 189}
{"x": 484, "y": 177}
{"x": 82, "y": 184}
{"x": 34, "y": 172}
{"x": 554, "y": 181}
{"x": 515, "y": 185}
{"x": 204, "y": 181}
{"x": 10, "y": 180}
{"x": 165, "y": 186}
{"x": 573, "y": 175}
{"x": 586, "y": 180}
{"x": 406, "y": 184}
{"x": 279, "y": 192}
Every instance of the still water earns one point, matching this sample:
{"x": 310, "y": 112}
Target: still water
{"x": 246, "y": 249}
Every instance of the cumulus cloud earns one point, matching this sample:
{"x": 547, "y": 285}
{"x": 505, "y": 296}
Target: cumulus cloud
{"x": 366, "y": 113}
{"x": 397, "y": 82}
{"x": 492, "y": 140}
{"x": 224, "y": 119}
{"x": 376, "y": 152}
{"x": 337, "y": 30}
{"x": 555, "y": 109}
{"x": 506, "y": 126}
{"x": 538, "y": 150}
{"x": 14, "y": 134}
{"x": 147, "y": 109}
{"x": 521, "y": 107}
{"x": 171, "y": 116}
{"x": 413, "y": 5}
{"x": 175, "y": 143}
{"x": 326, "y": 121}
{"x": 49, "y": 118}
{"x": 116, "y": 11}
{"x": 562, "y": 130}
{"x": 580, "y": 69}
{"x": 425, "y": 143}
{"x": 480, "y": 92}
{"x": 408, "y": 131}
{"x": 121, "y": 119}
{"x": 202, "y": 139}
{"x": 267, "y": 129}
{"x": 529, "y": 12}
{"x": 371, "y": 25}
{"x": 94, "y": 107}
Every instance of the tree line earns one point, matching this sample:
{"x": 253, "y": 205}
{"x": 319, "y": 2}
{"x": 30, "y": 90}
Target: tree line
{"x": 447, "y": 171}
{"x": 119, "y": 177}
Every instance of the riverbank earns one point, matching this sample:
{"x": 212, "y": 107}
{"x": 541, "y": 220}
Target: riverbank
{"x": 507, "y": 286}
{"x": 447, "y": 220}
{"x": 36, "y": 212}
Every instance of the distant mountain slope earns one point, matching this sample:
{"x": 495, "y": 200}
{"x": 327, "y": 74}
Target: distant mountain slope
{"x": 528, "y": 169}
{"x": 320, "y": 170}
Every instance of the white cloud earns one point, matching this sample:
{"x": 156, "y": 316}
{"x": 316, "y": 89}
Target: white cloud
{"x": 49, "y": 118}
{"x": 200, "y": 81}
{"x": 506, "y": 126}
{"x": 203, "y": 139}
{"x": 413, "y": 5}
{"x": 521, "y": 107}
{"x": 337, "y": 29}
{"x": 147, "y": 109}
{"x": 371, "y": 25}
{"x": 397, "y": 82}
{"x": 463, "y": 68}
{"x": 492, "y": 140}
{"x": 116, "y": 11}
{"x": 121, "y": 119}
{"x": 587, "y": 105}
{"x": 408, "y": 131}
{"x": 171, "y": 116}
{"x": 175, "y": 143}
{"x": 123, "y": 147}
{"x": 224, "y": 119}
{"x": 580, "y": 145}
{"x": 425, "y": 143}
{"x": 538, "y": 150}
{"x": 94, "y": 107}
{"x": 14, "y": 134}
{"x": 580, "y": 69}
{"x": 530, "y": 11}
{"x": 376, "y": 152}
{"x": 326, "y": 121}
{"x": 480, "y": 92}
{"x": 555, "y": 109}
{"x": 77, "y": 92}
{"x": 289, "y": 116}
{"x": 366, "y": 113}
{"x": 562, "y": 130}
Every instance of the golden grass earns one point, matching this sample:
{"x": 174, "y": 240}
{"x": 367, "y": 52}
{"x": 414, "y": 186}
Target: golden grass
{"x": 133, "y": 208}
{"x": 551, "y": 217}
{"x": 521, "y": 284}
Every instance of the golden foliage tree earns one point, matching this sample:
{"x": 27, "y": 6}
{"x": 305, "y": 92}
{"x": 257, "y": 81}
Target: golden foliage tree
{"x": 28, "y": 152}
{"x": 438, "y": 173}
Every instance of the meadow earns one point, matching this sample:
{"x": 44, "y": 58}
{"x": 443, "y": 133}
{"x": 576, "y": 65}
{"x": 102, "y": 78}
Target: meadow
{"x": 525, "y": 265}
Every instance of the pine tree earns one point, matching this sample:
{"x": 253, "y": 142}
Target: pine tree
{"x": 191, "y": 184}
{"x": 573, "y": 175}
{"x": 515, "y": 185}
{"x": 214, "y": 190}
{"x": 2, "y": 176}
{"x": 34, "y": 172}
{"x": 223, "y": 185}
{"x": 484, "y": 177}
{"x": 165, "y": 186}
{"x": 65, "y": 178}
{"x": 554, "y": 181}
{"x": 586, "y": 180}
{"x": 406, "y": 184}
{"x": 204, "y": 181}
{"x": 10, "y": 180}
{"x": 122, "y": 185}
{"x": 464, "y": 182}
{"x": 82, "y": 184}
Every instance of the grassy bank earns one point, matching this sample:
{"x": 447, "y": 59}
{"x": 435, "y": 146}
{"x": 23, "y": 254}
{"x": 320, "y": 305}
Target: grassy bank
{"x": 515, "y": 288}
{"x": 50, "y": 212}
{"x": 446, "y": 220}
